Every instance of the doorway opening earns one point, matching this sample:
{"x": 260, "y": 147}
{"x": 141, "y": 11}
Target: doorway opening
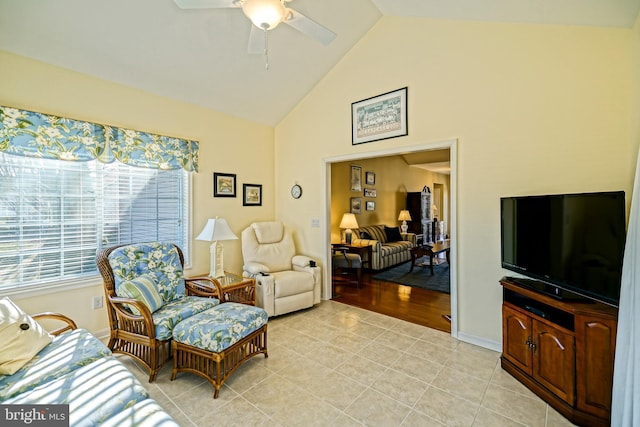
{"x": 451, "y": 145}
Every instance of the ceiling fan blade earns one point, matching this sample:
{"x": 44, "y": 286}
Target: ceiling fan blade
{"x": 256, "y": 40}
{"x": 206, "y": 4}
{"x": 310, "y": 28}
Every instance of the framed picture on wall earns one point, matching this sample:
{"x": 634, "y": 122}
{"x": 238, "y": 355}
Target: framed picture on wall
{"x": 356, "y": 178}
{"x": 371, "y": 206}
{"x": 370, "y": 178}
{"x": 251, "y": 195}
{"x": 370, "y": 192}
{"x": 356, "y": 205}
{"x": 224, "y": 184}
{"x": 379, "y": 117}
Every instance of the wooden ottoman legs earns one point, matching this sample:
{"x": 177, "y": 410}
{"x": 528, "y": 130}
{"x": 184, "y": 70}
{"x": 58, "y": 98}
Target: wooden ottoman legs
{"x": 217, "y": 367}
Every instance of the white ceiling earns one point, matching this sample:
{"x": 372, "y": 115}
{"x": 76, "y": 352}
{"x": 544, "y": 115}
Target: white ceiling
{"x": 200, "y": 56}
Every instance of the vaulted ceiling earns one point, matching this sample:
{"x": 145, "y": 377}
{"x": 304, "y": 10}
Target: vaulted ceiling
{"x": 200, "y": 56}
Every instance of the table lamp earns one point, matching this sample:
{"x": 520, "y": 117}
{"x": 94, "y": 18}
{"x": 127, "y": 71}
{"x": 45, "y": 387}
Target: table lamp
{"x": 404, "y": 217}
{"x": 348, "y": 222}
{"x": 216, "y": 230}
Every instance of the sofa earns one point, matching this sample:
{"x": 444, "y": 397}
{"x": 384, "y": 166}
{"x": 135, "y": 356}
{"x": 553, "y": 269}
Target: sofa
{"x": 68, "y": 366}
{"x": 389, "y": 246}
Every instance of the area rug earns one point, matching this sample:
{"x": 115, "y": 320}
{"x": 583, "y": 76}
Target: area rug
{"x": 420, "y": 277}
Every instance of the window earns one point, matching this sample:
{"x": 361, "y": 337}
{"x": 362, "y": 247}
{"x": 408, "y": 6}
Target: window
{"x": 55, "y": 215}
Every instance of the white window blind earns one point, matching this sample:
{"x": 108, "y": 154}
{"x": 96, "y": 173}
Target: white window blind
{"x": 55, "y": 215}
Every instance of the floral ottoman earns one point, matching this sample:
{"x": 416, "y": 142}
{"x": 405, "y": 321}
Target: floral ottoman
{"x": 213, "y": 343}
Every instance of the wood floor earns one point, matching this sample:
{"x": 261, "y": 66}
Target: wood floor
{"x": 415, "y": 305}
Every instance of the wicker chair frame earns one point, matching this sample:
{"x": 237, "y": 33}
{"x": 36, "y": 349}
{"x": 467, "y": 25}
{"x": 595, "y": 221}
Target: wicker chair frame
{"x": 135, "y": 335}
{"x": 69, "y": 324}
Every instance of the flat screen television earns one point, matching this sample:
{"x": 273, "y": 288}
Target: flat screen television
{"x": 570, "y": 242}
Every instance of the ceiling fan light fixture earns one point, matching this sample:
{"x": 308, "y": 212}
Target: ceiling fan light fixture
{"x": 265, "y": 14}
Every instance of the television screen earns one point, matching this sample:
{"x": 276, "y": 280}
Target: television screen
{"x": 572, "y": 241}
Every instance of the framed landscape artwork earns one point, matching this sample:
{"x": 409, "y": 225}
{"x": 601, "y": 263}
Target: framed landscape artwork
{"x": 251, "y": 195}
{"x": 224, "y": 184}
{"x": 356, "y": 205}
{"x": 380, "y": 117}
{"x": 356, "y": 178}
{"x": 370, "y": 178}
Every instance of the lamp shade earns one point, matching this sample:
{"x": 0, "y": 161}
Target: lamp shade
{"x": 215, "y": 230}
{"x": 404, "y": 216}
{"x": 348, "y": 221}
{"x": 265, "y": 14}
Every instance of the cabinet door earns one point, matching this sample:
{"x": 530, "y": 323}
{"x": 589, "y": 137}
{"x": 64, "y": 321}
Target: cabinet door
{"x": 595, "y": 347}
{"x": 516, "y": 335}
{"x": 554, "y": 360}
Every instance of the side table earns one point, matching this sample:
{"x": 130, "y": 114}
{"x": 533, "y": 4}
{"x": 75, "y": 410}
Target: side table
{"x": 363, "y": 250}
{"x": 232, "y": 288}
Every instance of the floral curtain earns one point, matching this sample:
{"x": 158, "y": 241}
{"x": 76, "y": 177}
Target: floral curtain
{"x": 31, "y": 134}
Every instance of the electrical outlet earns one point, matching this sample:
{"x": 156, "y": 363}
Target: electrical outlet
{"x": 97, "y": 302}
{"x": 315, "y": 223}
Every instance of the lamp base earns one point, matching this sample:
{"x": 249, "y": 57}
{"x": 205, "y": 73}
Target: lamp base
{"x": 404, "y": 227}
{"x": 347, "y": 237}
{"x": 216, "y": 253}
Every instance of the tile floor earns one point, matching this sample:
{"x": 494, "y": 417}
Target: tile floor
{"x": 338, "y": 365}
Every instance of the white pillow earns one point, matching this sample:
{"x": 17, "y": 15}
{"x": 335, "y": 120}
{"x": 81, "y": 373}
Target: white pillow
{"x": 21, "y": 337}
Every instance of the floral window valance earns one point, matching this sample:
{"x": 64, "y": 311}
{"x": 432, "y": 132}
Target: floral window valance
{"x": 31, "y": 134}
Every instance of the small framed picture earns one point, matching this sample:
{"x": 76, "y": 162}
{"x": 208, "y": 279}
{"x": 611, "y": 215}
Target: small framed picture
{"x": 371, "y": 206}
{"x": 224, "y": 184}
{"x": 370, "y": 192}
{"x": 356, "y": 178}
{"x": 251, "y": 194}
{"x": 370, "y": 178}
{"x": 356, "y": 205}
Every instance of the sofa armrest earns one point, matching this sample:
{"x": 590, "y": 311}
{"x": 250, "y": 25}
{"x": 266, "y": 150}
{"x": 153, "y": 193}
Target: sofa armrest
{"x": 301, "y": 261}
{"x": 410, "y": 237}
{"x": 68, "y": 326}
{"x": 252, "y": 269}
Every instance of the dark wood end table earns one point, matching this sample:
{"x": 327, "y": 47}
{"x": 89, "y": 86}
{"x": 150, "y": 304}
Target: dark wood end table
{"x": 364, "y": 251}
{"x": 431, "y": 251}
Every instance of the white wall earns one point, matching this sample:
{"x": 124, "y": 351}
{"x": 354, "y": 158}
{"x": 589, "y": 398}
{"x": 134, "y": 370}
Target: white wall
{"x": 227, "y": 144}
{"x": 535, "y": 109}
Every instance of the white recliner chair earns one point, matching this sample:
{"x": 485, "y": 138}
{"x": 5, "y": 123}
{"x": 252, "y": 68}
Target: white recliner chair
{"x": 285, "y": 282}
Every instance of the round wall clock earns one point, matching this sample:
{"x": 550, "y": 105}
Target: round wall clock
{"x": 296, "y": 191}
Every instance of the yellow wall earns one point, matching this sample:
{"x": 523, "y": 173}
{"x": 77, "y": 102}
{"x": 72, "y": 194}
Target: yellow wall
{"x": 227, "y": 144}
{"x": 535, "y": 109}
{"x": 393, "y": 179}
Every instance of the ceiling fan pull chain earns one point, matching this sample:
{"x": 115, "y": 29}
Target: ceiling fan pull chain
{"x": 266, "y": 48}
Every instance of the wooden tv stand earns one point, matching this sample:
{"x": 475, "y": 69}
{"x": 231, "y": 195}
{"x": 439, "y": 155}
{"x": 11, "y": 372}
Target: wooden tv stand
{"x": 562, "y": 350}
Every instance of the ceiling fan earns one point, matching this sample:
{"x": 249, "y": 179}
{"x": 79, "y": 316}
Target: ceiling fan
{"x": 266, "y": 15}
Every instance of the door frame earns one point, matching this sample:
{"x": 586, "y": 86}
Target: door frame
{"x": 451, "y": 144}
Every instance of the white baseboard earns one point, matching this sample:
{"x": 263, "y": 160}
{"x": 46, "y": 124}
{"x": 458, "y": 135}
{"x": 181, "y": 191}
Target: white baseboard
{"x": 481, "y": 342}
{"x": 102, "y": 334}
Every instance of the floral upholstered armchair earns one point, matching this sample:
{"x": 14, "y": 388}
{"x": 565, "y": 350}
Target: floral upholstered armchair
{"x": 147, "y": 296}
